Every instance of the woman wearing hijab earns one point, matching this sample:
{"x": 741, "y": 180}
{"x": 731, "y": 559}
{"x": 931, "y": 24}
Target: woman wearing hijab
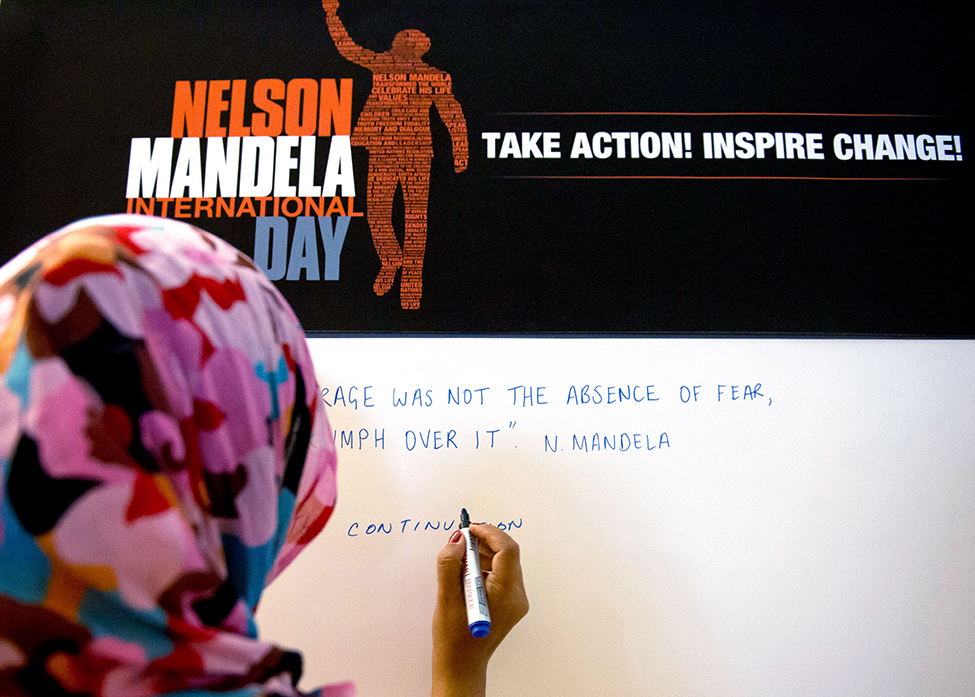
{"x": 163, "y": 456}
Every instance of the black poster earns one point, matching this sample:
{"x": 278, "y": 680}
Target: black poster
{"x": 523, "y": 167}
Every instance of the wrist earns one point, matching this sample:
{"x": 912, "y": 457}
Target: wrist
{"x": 449, "y": 681}
{"x": 458, "y": 671}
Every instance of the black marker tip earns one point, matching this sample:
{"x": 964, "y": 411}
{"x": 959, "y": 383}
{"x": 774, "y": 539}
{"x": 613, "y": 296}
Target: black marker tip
{"x": 465, "y": 520}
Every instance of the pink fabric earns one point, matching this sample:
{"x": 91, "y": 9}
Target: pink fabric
{"x": 164, "y": 455}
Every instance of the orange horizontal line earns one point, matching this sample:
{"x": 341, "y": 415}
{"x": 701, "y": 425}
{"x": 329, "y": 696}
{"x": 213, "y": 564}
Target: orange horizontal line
{"x": 674, "y": 176}
{"x": 701, "y": 113}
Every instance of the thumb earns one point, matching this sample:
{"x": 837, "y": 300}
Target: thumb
{"x": 450, "y": 565}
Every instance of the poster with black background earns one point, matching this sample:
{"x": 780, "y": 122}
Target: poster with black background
{"x": 522, "y": 167}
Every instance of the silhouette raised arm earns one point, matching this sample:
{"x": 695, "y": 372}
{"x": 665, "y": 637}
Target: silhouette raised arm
{"x": 347, "y": 48}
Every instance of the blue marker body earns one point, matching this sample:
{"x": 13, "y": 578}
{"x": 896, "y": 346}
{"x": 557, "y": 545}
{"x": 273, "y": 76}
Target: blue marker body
{"x": 478, "y": 616}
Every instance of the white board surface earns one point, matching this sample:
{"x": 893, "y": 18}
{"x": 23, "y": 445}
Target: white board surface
{"x": 811, "y": 532}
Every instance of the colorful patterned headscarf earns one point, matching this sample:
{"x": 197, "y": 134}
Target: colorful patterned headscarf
{"x": 163, "y": 456}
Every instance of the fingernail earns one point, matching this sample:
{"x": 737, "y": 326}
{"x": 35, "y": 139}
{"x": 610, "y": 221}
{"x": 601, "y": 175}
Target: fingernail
{"x": 456, "y": 536}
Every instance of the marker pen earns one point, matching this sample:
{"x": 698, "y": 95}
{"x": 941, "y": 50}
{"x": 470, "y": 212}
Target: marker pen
{"x": 478, "y": 616}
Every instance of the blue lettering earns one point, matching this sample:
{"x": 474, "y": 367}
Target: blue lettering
{"x": 304, "y": 251}
{"x": 271, "y": 246}
{"x": 753, "y": 392}
{"x": 332, "y": 241}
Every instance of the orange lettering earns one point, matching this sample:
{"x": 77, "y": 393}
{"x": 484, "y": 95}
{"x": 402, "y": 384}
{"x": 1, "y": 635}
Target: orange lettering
{"x": 228, "y": 208}
{"x": 335, "y": 207}
{"x": 143, "y": 206}
{"x": 296, "y": 211}
{"x": 271, "y": 121}
{"x": 183, "y": 207}
{"x": 216, "y": 105}
{"x": 351, "y": 210}
{"x": 246, "y": 204}
{"x": 188, "y": 109}
{"x": 238, "y": 93}
{"x": 203, "y": 205}
{"x": 311, "y": 206}
{"x": 335, "y": 107}
{"x": 300, "y": 106}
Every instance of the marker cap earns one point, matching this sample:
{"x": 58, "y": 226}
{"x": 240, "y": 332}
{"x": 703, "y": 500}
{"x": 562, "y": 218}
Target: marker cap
{"x": 480, "y": 628}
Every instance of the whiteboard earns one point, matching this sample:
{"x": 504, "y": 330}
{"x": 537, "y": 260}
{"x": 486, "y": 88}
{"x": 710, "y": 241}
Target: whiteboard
{"x": 809, "y": 531}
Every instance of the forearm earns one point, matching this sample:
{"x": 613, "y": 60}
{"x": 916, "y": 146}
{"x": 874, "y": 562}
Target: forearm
{"x": 458, "y": 136}
{"x": 347, "y": 48}
{"x": 453, "y": 117}
{"x": 343, "y": 42}
{"x": 448, "y": 682}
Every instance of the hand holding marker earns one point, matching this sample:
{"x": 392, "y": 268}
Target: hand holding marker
{"x": 460, "y": 657}
{"x": 478, "y": 615}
